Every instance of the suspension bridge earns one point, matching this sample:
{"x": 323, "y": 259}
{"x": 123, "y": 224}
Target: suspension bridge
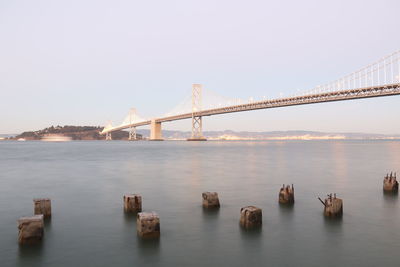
{"x": 381, "y": 78}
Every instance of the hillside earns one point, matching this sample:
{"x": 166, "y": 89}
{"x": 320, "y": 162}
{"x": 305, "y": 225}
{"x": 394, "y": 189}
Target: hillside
{"x": 74, "y": 132}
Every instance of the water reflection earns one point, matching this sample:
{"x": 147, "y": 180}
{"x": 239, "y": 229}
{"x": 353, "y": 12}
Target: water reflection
{"x": 394, "y": 156}
{"x": 390, "y": 197}
{"x": 286, "y": 212}
{"x": 129, "y": 218}
{"x": 250, "y": 233}
{"x": 333, "y": 224}
{"x": 211, "y": 220}
{"x": 211, "y": 213}
{"x": 340, "y": 163}
{"x": 251, "y": 237}
{"x": 30, "y": 254}
{"x": 47, "y": 223}
{"x": 148, "y": 247}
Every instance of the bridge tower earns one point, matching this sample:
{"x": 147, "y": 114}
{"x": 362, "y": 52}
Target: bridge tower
{"x": 132, "y": 130}
{"x": 132, "y": 134}
{"x": 197, "y": 122}
{"x": 108, "y": 134}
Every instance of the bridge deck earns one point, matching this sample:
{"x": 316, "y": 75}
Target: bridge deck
{"x": 367, "y": 92}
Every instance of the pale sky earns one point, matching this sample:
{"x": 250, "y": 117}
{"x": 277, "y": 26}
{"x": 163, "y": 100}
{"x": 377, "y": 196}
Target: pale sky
{"x": 87, "y": 62}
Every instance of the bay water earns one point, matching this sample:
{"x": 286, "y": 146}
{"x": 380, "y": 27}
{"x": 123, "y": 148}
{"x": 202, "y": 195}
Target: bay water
{"x": 86, "y": 181}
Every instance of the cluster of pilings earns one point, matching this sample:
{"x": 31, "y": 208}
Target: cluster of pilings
{"x": 147, "y": 223}
{"x": 31, "y": 228}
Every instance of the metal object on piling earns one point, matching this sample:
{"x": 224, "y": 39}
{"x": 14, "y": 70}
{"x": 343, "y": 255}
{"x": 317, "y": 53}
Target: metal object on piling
{"x": 132, "y": 203}
{"x": 30, "y": 229}
{"x": 333, "y": 206}
{"x": 390, "y": 184}
{"x": 42, "y": 206}
{"x": 250, "y": 217}
{"x": 286, "y": 195}
{"x": 210, "y": 200}
{"x": 148, "y": 224}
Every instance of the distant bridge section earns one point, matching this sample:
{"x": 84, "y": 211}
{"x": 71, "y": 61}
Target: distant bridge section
{"x": 379, "y": 79}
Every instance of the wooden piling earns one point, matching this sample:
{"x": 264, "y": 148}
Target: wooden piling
{"x": 286, "y": 195}
{"x": 132, "y": 203}
{"x": 390, "y": 184}
{"x": 42, "y": 206}
{"x": 250, "y": 217}
{"x": 333, "y": 206}
{"x": 210, "y": 200}
{"x": 148, "y": 224}
{"x": 30, "y": 229}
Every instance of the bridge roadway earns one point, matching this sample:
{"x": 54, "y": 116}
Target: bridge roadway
{"x": 366, "y": 92}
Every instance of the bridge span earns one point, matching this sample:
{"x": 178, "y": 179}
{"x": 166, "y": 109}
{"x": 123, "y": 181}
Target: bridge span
{"x": 379, "y": 79}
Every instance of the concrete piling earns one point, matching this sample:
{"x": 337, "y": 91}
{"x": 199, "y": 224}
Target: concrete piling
{"x": 132, "y": 203}
{"x": 42, "y": 206}
{"x": 286, "y": 195}
{"x": 333, "y": 206}
{"x": 30, "y": 229}
{"x": 148, "y": 224}
{"x": 210, "y": 200}
{"x": 250, "y": 217}
{"x": 390, "y": 184}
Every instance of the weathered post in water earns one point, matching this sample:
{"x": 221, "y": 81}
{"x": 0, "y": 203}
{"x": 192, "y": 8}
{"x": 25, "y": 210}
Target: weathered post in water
{"x": 132, "y": 203}
{"x": 286, "y": 195}
{"x": 390, "y": 184}
{"x": 333, "y": 206}
{"x": 42, "y": 206}
{"x": 148, "y": 224}
{"x": 210, "y": 200}
{"x": 250, "y": 217}
{"x": 30, "y": 229}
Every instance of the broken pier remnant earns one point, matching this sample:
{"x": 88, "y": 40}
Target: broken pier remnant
{"x": 30, "y": 229}
{"x": 148, "y": 224}
{"x": 333, "y": 206}
{"x": 42, "y": 206}
{"x": 286, "y": 195}
{"x": 132, "y": 203}
{"x": 210, "y": 200}
{"x": 390, "y": 184}
{"x": 250, "y": 217}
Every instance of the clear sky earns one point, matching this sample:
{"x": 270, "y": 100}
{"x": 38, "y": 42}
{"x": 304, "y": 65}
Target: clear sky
{"x": 86, "y": 62}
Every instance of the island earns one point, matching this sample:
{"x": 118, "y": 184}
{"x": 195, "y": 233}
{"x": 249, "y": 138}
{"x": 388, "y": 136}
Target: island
{"x": 72, "y": 133}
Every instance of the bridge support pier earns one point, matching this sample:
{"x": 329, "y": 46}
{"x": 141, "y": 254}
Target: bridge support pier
{"x": 155, "y": 131}
{"x": 108, "y": 136}
{"x": 197, "y": 122}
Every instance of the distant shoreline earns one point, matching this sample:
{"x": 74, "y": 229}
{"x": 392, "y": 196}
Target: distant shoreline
{"x": 93, "y": 133}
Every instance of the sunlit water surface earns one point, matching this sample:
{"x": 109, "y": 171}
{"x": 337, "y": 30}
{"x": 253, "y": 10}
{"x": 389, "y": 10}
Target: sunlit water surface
{"x": 86, "y": 182}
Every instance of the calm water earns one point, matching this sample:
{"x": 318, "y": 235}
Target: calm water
{"x": 86, "y": 182}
